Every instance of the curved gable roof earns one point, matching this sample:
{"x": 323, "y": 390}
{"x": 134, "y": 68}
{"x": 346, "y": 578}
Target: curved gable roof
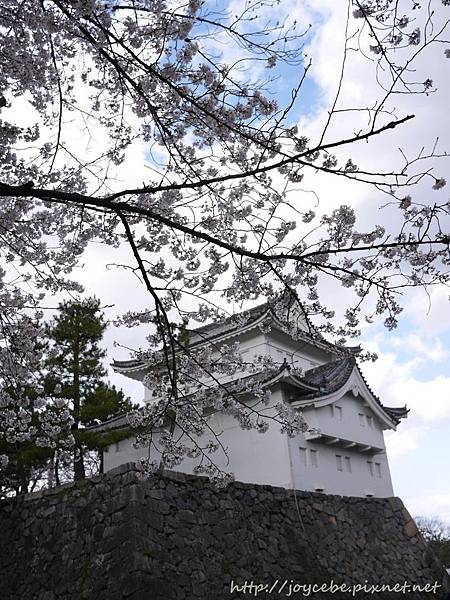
{"x": 336, "y": 378}
{"x": 239, "y": 324}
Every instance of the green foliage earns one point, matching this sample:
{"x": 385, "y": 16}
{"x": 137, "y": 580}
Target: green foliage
{"x": 75, "y": 358}
{"x": 103, "y": 403}
{"x": 71, "y": 369}
{"x": 184, "y": 334}
{"x": 76, "y": 372}
{"x": 93, "y": 440}
{"x": 25, "y": 457}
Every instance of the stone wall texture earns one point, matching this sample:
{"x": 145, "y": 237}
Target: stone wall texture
{"x": 115, "y": 537}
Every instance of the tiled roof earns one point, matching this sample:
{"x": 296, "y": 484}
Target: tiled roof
{"x": 132, "y": 363}
{"x": 315, "y": 383}
{"x": 119, "y": 422}
{"x": 396, "y": 413}
{"x": 240, "y": 320}
{"x": 233, "y": 324}
{"x": 226, "y": 326}
{"x": 333, "y": 375}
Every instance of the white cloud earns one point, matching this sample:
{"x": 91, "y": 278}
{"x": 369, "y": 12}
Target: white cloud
{"x": 420, "y": 436}
{"x": 428, "y": 400}
{"x": 402, "y": 442}
{"x": 396, "y": 381}
{"x": 380, "y": 373}
{"x": 426, "y": 347}
{"x": 430, "y": 312}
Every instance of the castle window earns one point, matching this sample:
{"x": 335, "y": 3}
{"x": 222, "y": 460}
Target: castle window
{"x": 117, "y": 446}
{"x": 336, "y": 411}
{"x": 378, "y": 469}
{"x": 303, "y": 456}
{"x": 309, "y": 458}
{"x": 342, "y": 461}
{"x": 370, "y": 466}
{"x": 361, "y": 419}
{"x": 369, "y": 421}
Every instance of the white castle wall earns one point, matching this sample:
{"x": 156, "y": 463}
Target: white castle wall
{"x": 274, "y": 459}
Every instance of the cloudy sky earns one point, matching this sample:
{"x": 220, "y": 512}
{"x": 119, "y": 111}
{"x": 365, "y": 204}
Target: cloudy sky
{"x": 413, "y": 367}
{"x": 413, "y": 364}
{"x": 413, "y": 360}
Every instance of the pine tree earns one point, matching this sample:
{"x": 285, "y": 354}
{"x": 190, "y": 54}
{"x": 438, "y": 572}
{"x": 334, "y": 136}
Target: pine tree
{"x": 76, "y": 372}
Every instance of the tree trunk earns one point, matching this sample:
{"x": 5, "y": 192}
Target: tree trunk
{"x": 57, "y": 481}
{"x": 51, "y": 471}
{"x": 78, "y": 461}
{"x": 24, "y": 485}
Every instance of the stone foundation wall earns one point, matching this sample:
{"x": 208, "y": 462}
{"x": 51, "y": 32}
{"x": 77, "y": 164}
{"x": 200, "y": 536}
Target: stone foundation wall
{"x": 115, "y": 537}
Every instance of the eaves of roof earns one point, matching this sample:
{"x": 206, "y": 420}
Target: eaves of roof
{"x": 232, "y": 325}
{"x": 332, "y": 376}
{"x": 315, "y": 384}
{"x": 119, "y": 422}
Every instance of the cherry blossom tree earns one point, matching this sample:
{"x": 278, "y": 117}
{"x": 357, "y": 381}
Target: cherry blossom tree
{"x": 213, "y": 215}
{"x": 33, "y": 424}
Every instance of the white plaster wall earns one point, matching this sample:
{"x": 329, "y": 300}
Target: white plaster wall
{"x": 279, "y": 350}
{"x": 253, "y": 457}
{"x": 275, "y": 344}
{"x": 148, "y": 397}
{"x": 326, "y": 476}
{"x": 302, "y": 354}
{"x": 350, "y": 426}
{"x": 275, "y": 459}
{"x": 251, "y": 344}
{"x": 279, "y": 346}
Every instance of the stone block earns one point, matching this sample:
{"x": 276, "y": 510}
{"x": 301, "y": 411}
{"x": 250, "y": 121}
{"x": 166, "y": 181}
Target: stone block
{"x": 178, "y": 537}
{"x": 410, "y": 529}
